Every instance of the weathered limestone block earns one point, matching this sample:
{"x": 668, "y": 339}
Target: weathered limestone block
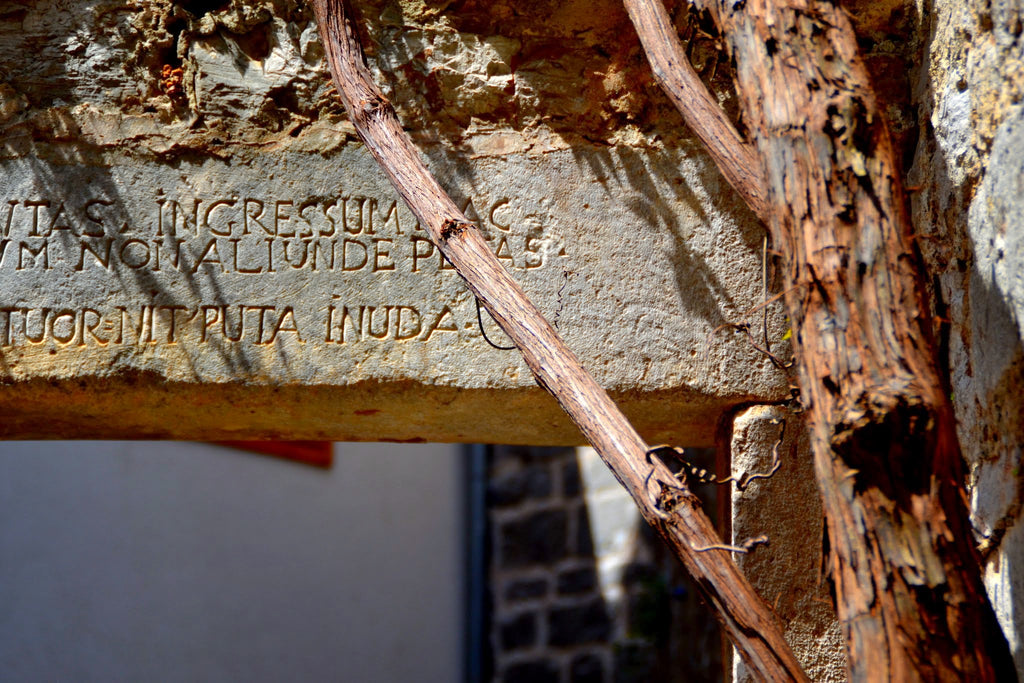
{"x": 971, "y": 213}
{"x": 788, "y": 572}
{"x": 194, "y": 246}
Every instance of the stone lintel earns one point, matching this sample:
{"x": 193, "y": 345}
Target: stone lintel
{"x": 194, "y": 245}
{"x": 294, "y": 296}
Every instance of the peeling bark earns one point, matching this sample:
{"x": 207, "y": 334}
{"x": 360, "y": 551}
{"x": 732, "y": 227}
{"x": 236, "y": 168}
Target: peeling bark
{"x": 889, "y": 467}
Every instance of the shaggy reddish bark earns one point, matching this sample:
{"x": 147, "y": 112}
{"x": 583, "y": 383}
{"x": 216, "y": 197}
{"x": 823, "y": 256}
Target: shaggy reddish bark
{"x": 906, "y": 570}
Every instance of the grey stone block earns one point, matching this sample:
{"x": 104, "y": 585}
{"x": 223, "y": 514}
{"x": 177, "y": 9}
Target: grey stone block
{"x": 526, "y": 589}
{"x": 586, "y": 669}
{"x": 533, "y": 671}
{"x": 193, "y": 246}
{"x": 575, "y": 581}
{"x": 533, "y": 482}
{"x": 519, "y": 632}
{"x": 787, "y": 508}
{"x": 579, "y": 624}
{"x": 537, "y": 538}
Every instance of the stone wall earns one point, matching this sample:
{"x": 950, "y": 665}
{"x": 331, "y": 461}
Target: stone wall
{"x": 969, "y": 212}
{"x": 581, "y": 591}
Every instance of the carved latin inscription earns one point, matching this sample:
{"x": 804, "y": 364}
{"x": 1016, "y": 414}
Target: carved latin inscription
{"x": 240, "y": 235}
{"x": 218, "y": 244}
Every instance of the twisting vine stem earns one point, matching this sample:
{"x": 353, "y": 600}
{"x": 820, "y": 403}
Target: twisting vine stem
{"x": 744, "y": 616}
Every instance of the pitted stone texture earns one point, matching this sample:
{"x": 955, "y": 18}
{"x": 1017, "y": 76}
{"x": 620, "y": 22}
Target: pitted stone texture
{"x": 190, "y": 230}
{"x": 970, "y": 212}
{"x": 787, "y": 572}
{"x": 179, "y": 77}
{"x": 297, "y": 270}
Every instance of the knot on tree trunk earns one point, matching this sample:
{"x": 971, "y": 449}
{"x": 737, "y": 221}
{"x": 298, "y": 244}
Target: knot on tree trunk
{"x": 888, "y": 437}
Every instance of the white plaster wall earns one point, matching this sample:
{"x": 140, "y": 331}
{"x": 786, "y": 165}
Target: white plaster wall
{"x": 186, "y": 562}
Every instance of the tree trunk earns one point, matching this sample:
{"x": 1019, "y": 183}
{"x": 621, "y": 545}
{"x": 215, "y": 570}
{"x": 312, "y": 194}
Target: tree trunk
{"x": 905, "y": 567}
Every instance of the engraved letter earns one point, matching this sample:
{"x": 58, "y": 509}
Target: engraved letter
{"x": 380, "y": 254}
{"x": 309, "y": 203}
{"x": 449, "y": 326}
{"x": 94, "y": 218}
{"x": 241, "y": 324}
{"x": 10, "y": 216}
{"x": 8, "y": 326}
{"x": 533, "y": 248}
{"x": 234, "y": 255}
{"x": 158, "y": 246}
{"x": 254, "y": 216}
{"x": 345, "y": 217}
{"x": 418, "y": 255}
{"x": 43, "y": 250}
{"x": 261, "y": 311}
{"x": 210, "y": 255}
{"x": 280, "y": 327}
{"x": 506, "y": 255}
{"x": 498, "y": 205}
{"x": 173, "y": 320}
{"x": 208, "y": 322}
{"x": 282, "y": 217}
{"x": 328, "y": 232}
{"x": 318, "y": 245}
{"x": 329, "y": 337}
{"x": 26, "y": 314}
{"x": 409, "y": 325}
{"x": 61, "y": 211}
{"x": 35, "y": 215}
{"x": 223, "y": 232}
{"x": 185, "y": 227}
{"x": 392, "y": 212}
{"x": 126, "y": 322}
{"x": 470, "y": 211}
{"x": 387, "y": 322}
{"x": 101, "y": 259}
{"x": 344, "y": 255}
{"x": 70, "y": 327}
{"x": 91, "y": 329}
{"x": 305, "y": 254}
{"x": 357, "y": 322}
{"x": 136, "y": 258}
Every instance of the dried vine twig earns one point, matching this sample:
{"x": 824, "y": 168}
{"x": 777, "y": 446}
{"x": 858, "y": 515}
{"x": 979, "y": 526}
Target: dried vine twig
{"x": 745, "y": 617}
{"x": 736, "y": 159}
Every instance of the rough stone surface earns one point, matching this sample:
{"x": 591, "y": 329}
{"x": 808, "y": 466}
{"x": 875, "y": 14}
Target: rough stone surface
{"x": 969, "y": 211}
{"x": 788, "y": 572}
{"x": 189, "y": 227}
